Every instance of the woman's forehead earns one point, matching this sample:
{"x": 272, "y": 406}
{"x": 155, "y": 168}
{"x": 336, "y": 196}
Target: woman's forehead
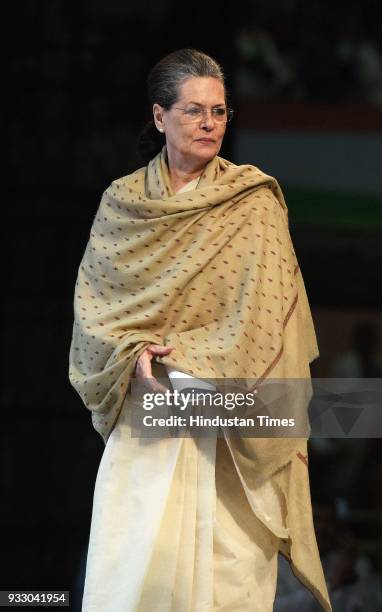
{"x": 203, "y": 90}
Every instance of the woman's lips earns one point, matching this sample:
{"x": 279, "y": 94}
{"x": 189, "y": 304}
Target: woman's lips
{"x": 206, "y": 140}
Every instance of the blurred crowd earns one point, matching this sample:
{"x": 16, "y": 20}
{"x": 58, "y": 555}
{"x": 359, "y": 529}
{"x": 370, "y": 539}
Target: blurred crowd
{"x": 310, "y": 52}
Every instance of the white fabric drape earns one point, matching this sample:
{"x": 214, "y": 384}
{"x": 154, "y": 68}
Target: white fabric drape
{"x": 169, "y": 534}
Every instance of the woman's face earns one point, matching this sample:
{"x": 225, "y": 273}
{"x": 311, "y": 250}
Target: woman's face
{"x": 189, "y": 143}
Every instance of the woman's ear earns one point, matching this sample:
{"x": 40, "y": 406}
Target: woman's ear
{"x": 158, "y": 117}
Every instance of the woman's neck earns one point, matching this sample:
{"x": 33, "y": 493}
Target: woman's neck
{"x": 181, "y": 174}
{"x": 180, "y": 179}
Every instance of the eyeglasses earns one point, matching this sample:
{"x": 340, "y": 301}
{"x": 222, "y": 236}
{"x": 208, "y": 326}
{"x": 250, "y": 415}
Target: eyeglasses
{"x": 194, "y": 114}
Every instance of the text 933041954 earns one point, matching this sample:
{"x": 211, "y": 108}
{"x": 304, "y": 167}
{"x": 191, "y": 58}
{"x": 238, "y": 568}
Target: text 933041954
{"x": 11, "y": 599}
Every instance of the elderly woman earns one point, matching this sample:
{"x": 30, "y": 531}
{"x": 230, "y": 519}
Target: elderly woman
{"x": 189, "y": 276}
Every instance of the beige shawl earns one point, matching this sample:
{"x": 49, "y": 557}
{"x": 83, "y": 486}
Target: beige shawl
{"x": 211, "y": 272}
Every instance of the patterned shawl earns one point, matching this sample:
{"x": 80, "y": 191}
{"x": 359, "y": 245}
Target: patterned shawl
{"x": 211, "y": 272}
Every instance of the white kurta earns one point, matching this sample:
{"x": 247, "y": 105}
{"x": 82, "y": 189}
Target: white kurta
{"x": 175, "y": 530}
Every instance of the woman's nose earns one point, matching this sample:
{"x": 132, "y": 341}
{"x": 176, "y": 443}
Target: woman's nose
{"x": 207, "y": 121}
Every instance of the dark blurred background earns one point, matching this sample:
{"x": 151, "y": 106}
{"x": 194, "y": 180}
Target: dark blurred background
{"x": 305, "y": 79}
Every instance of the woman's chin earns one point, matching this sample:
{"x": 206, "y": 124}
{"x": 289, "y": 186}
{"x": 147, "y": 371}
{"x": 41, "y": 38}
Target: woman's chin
{"x": 206, "y": 152}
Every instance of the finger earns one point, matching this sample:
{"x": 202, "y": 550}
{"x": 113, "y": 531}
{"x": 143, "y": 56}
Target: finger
{"x": 143, "y": 367}
{"x": 159, "y": 350}
{"x": 144, "y": 373}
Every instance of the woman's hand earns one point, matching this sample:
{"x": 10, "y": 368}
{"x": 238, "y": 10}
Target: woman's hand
{"x": 143, "y": 370}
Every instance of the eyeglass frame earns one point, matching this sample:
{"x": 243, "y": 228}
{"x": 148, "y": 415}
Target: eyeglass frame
{"x": 229, "y": 113}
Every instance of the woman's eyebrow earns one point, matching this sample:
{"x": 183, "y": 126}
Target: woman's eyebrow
{"x": 199, "y": 104}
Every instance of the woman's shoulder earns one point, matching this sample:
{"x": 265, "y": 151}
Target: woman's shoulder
{"x": 249, "y": 175}
{"x": 244, "y": 170}
{"x": 133, "y": 180}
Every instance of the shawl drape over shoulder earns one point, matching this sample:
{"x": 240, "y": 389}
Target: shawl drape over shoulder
{"x": 211, "y": 272}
